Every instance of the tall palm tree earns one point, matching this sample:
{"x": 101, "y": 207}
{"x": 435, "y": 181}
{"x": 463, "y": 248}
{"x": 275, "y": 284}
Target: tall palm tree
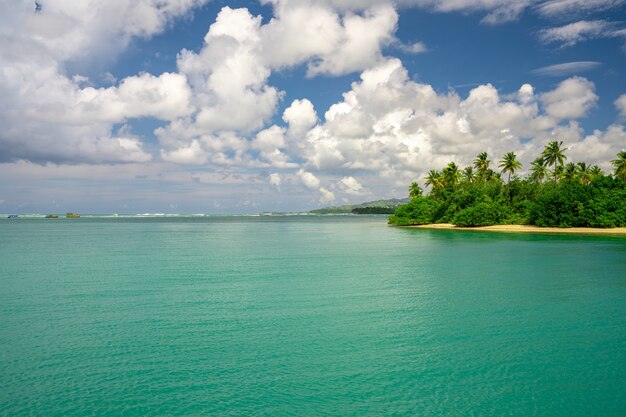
{"x": 620, "y": 165}
{"x": 468, "y": 174}
{"x": 415, "y": 190}
{"x": 451, "y": 174}
{"x": 481, "y": 163}
{"x": 434, "y": 180}
{"x": 510, "y": 164}
{"x": 570, "y": 172}
{"x": 554, "y": 155}
{"x": 584, "y": 172}
{"x": 538, "y": 170}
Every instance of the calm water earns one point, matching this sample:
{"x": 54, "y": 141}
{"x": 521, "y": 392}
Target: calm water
{"x": 307, "y": 316}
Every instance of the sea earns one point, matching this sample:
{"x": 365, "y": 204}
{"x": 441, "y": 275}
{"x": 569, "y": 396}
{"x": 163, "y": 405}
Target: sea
{"x": 306, "y": 316}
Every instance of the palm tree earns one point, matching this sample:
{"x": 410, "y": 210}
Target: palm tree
{"x": 434, "y": 179}
{"x": 468, "y": 174}
{"x": 538, "y": 170}
{"x": 510, "y": 164}
{"x": 558, "y": 172}
{"x": 451, "y": 174}
{"x": 481, "y": 163}
{"x": 570, "y": 172}
{"x": 584, "y": 172}
{"x": 553, "y": 154}
{"x": 415, "y": 190}
{"x": 620, "y": 165}
{"x": 595, "y": 172}
{"x": 490, "y": 174}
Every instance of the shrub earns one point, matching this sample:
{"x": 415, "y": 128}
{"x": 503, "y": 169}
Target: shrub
{"x": 417, "y": 211}
{"x": 481, "y": 214}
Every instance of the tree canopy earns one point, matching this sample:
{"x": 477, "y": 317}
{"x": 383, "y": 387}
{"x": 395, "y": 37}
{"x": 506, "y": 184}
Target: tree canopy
{"x": 552, "y": 194}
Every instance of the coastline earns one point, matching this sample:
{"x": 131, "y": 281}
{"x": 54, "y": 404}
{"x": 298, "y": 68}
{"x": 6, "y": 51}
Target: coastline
{"x": 517, "y": 228}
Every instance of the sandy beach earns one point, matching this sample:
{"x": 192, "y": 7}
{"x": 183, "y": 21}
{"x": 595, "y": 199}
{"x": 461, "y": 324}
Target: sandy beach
{"x": 515, "y": 228}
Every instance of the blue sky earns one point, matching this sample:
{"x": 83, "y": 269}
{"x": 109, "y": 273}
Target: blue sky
{"x": 197, "y": 106}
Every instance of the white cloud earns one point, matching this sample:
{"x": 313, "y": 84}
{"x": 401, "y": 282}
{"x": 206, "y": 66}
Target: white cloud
{"x": 271, "y": 142}
{"x": 411, "y": 48}
{"x": 390, "y": 130}
{"x": 567, "y": 68}
{"x": 583, "y": 30}
{"x": 327, "y": 196}
{"x": 275, "y": 179}
{"x": 89, "y": 29}
{"x": 50, "y": 116}
{"x": 309, "y": 180}
{"x": 300, "y": 116}
{"x": 330, "y": 38}
{"x": 599, "y": 147}
{"x": 386, "y": 131}
{"x": 620, "y": 103}
{"x": 572, "y": 99}
{"x": 351, "y": 185}
{"x": 166, "y": 97}
{"x": 227, "y": 76}
{"x": 498, "y": 11}
{"x": 360, "y": 43}
{"x": 558, "y": 8}
{"x": 193, "y": 154}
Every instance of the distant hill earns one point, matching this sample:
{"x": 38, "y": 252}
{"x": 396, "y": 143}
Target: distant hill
{"x": 371, "y": 207}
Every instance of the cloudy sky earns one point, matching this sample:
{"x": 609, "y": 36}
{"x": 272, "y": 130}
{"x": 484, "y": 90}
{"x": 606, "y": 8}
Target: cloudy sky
{"x": 208, "y": 106}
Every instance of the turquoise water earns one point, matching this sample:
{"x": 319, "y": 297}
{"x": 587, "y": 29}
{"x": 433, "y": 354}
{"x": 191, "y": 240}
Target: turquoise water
{"x": 307, "y": 316}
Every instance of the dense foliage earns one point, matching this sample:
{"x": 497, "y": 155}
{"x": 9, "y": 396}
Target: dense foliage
{"x": 373, "y": 210}
{"x": 553, "y": 194}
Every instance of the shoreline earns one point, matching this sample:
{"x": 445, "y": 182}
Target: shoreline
{"x": 517, "y": 228}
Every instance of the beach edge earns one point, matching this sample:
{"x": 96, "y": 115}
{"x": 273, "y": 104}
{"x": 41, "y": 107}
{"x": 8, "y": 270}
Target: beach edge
{"x": 516, "y": 228}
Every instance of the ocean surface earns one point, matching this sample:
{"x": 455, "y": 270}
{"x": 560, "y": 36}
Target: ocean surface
{"x": 306, "y": 316}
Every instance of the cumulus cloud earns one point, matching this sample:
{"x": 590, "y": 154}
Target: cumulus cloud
{"x": 386, "y": 131}
{"x": 599, "y": 147}
{"x": 309, "y": 180}
{"x": 572, "y": 99}
{"x": 330, "y": 41}
{"x": 192, "y": 154}
{"x": 351, "y": 185}
{"x": 389, "y": 130}
{"x": 300, "y": 116}
{"x": 50, "y": 116}
{"x": 360, "y": 43}
{"x": 229, "y": 76}
{"x": 80, "y": 30}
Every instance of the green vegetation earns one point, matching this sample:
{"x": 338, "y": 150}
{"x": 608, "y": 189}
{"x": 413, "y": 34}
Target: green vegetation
{"x": 373, "y": 210}
{"x": 371, "y": 207}
{"x": 553, "y": 194}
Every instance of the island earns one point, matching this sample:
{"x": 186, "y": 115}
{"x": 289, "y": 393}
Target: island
{"x": 553, "y": 195}
{"x": 370, "y": 207}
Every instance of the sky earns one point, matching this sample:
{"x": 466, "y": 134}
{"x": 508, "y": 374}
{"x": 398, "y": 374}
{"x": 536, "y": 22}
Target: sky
{"x": 215, "y": 106}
